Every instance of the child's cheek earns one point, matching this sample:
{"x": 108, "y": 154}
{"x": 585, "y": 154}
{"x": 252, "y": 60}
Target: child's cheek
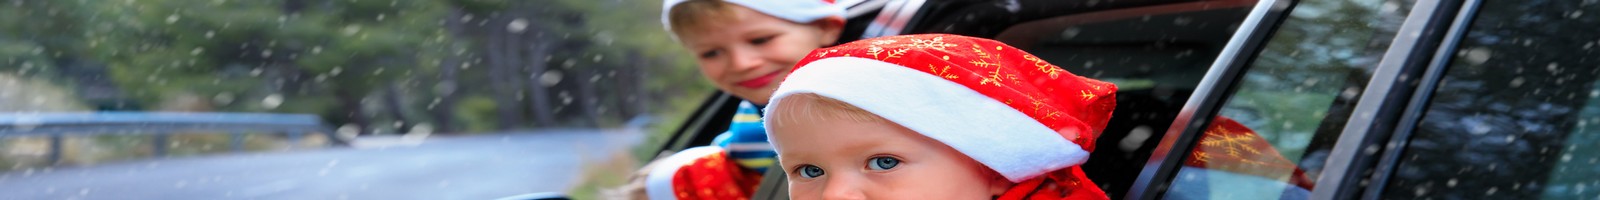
{"x": 801, "y": 189}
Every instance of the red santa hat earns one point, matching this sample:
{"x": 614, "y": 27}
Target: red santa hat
{"x": 1232, "y": 151}
{"x": 1017, "y": 114}
{"x": 797, "y": 11}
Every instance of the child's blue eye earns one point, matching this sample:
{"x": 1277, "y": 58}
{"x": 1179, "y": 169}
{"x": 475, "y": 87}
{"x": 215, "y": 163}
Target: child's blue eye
{"x": 882, "y": 163}
{"x": 811, "y": 171}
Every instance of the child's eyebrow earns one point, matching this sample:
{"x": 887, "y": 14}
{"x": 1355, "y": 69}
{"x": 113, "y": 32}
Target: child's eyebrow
{"x": 866, "y": 145}
{"x": 853, "y": 148}
{"x": 760, "y": 32}
{"x": 791, "y": 162}
{"x": 863, "y": 146}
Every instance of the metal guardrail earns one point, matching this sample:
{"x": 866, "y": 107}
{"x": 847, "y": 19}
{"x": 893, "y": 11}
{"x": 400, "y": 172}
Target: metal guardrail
{"x": 159, "y": 125}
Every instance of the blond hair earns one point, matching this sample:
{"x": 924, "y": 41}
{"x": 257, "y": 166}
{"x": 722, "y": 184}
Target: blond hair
{"x": 809, "y": 106}
{"x": 694, "y": 14}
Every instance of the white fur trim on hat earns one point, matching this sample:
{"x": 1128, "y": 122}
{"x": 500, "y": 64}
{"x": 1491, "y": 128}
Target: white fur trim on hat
{"x": 658, "y": 184}
{"x": 987, "y": 130}
{"x": 798, "y": 11}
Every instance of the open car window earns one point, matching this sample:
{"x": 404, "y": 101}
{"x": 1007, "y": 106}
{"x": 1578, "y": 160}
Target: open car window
{"x": 1156, "y": 53}
{"x": 1276, "y": 129}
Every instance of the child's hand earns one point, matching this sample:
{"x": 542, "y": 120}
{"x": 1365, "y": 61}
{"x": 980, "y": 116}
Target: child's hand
{"x": 1069, "y": 132}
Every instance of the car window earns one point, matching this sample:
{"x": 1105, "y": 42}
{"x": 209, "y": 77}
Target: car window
{"x": 1516, "y": 113}
{"x": 1155, "y": 54}
{"x": 1272, "y": 135}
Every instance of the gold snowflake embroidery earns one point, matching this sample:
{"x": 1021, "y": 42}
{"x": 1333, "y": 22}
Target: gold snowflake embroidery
{"x": 983, "y": 56}
{"x": 983, "y": 63}
{"x": 942, "y": 72}
{"x": 882, "y": 42}
{"x": 935, "y": 43}
{"x": 1053, "y": 72}
{"x": 1043, "y": 66}
{"x": 994, "y": 77}
{"x": 1086, "y": 95}
{"x": 978, "y": 50}
{"x": 1052, "y": 115}
{"x": 825, "y": 53}
{"x": 1233, "y": 144}
{"x": 1037, "y": 104}
{"x": 897, "y": 53}
{"x": 874, "y": 51}
{"x": 1201, "y": 157}
{"x": 1042, "y": 108}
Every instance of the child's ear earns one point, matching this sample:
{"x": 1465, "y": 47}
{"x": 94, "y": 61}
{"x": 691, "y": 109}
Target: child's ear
{"x": 998, "y": 184}
{"x": 831, "y": 27}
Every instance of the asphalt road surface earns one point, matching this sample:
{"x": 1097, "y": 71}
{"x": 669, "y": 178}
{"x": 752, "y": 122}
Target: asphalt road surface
{"x": 467, "y": 167}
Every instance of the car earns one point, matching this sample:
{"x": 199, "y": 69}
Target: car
{"x": 1369, "y": 99}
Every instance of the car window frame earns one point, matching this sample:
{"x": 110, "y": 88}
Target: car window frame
{"x": 1410, "y": 123}
{"x": 1208, "y": 96}
{"x": 1388, "y": 103}
{"x": 1380, "y": 166}
{"x": 1415, "y": 118}
{"x": 1387, "y": 96}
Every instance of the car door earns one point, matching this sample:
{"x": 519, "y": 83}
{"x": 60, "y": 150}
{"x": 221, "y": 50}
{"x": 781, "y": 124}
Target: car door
{"x": 1412, "y": 91}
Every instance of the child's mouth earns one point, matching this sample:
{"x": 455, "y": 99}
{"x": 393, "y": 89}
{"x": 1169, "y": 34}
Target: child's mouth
{"x": 758, "y": 82}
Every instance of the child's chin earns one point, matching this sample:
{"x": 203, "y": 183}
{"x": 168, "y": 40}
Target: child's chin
{"x": 757, "y": 96}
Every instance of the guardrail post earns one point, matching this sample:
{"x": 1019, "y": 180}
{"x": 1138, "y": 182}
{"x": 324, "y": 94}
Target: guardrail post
{"x": 293, "y": 137}
{"x": 56, "y": 141}
{"x": 159, "y": 141}
{"x": 236, "y": 141}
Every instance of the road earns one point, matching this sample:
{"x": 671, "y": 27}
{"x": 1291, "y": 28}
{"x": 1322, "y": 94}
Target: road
{"x": 467, "y": 167}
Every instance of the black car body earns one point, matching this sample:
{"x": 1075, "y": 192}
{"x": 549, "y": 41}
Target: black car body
{"x": 1373, "y": 99}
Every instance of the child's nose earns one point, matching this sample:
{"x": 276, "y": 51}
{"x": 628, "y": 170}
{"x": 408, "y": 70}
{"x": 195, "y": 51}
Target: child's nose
{"x": 746, "y": 59}
{"x": 842, "y": 188}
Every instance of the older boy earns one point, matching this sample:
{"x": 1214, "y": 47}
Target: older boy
{"x": 745, "y": 48}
